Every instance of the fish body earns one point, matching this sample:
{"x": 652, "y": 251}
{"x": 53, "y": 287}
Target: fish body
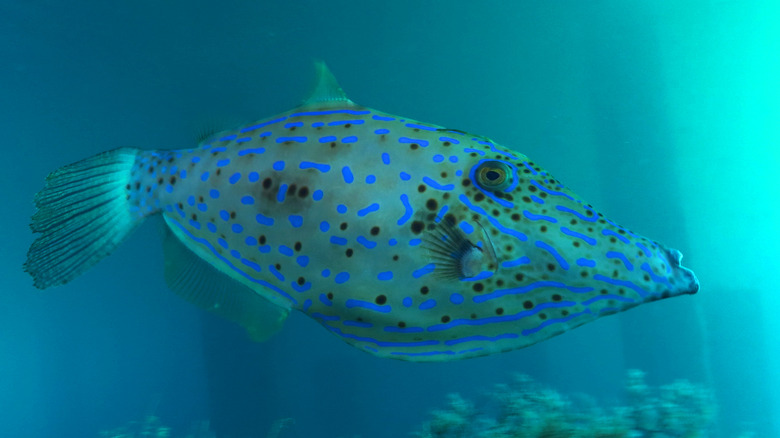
{"x": 408, "y": 240}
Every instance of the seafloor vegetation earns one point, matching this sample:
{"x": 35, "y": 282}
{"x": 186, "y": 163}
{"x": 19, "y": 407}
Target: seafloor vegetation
{"x": 525, "y": 408}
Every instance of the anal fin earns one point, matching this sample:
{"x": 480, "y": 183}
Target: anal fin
{"x": 200, "y": 283}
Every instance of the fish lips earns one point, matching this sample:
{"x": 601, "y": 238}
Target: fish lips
{"x": 687, "y": 283}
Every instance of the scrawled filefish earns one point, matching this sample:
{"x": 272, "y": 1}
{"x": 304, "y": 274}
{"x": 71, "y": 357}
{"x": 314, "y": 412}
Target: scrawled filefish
{"x": 406, "y": 239}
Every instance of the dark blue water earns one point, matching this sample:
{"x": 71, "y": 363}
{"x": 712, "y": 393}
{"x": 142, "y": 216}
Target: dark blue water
{"x": 657, "y": 114}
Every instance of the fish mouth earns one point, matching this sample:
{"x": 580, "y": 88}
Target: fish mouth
{"x": 687, "y": 281}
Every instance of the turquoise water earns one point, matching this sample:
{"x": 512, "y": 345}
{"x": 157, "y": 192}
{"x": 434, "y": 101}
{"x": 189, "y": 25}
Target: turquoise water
{"x": 663, "y": 117}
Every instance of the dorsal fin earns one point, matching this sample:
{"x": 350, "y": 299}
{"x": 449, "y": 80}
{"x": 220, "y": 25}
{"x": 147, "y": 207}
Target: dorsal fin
{"x": 326, "y": 89}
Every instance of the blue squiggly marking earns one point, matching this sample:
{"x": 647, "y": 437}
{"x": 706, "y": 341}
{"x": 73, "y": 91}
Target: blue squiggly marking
{"x": 260, "y": 125}
{"x": 524, "y": 260}
{"x": 549, "y": 191}
{"x": 656, "y": 278}
{"x": 346, "y": 172}
{"x": 350, "y": 303}
{"x": 644, "y": 249}
{"x": 338, "y": 240}
{"x": 589, "y": 240}
{"x": 642, "y": 293}
{"x": 478, "y": 151}
{"x": 311, "y": 165}
{"x": 427, "y": 269}
{"x": 385, "y": 276}
{"x": 577, "y": 213}
{"x": 466, "y": 227}
{"x": 276, "y": 273}
{"x": 427, "y": 304}
{"x": 527, "y": 288}
{"x": 608, "y": 232}
{"x": 622, "y": 257}
{"x": 416, "y": 126}
{"x": 421, "y": 142}
{"x": 243, "y": 152}
{"x": 263, "y": 220}
{"x": 345, "y": 122}
{"x": 295, "y": 220}
{"x": 371, "y": 208}
{"x": 435, "y": 185}
{"x": 341, "y": 277}
{"x": 537, "y": 217}
{"x": 588, "y": 263}
{"x": 561, "y": 261}
{"x": 365, "y": 242}
{"x": 451, "y": 140}
{"x": 407, "y": 209}
{"x": 281, "y": 195}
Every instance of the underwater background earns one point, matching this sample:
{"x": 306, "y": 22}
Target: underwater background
{"x": 662, "y": 114}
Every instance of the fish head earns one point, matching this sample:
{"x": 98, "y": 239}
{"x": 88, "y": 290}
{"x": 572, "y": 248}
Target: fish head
{"x": 534, "y": 260}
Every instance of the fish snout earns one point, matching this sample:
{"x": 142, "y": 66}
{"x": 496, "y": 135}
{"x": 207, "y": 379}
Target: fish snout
{"x": 686, "y": 281}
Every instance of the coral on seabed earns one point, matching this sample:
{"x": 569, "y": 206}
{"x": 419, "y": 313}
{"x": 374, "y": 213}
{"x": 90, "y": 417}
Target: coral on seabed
{"x": 151, "y": 427}
{"x": 527, "y": 409}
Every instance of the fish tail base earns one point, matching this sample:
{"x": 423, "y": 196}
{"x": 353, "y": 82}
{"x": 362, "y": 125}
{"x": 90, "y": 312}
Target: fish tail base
{"x": 83, "y": 213}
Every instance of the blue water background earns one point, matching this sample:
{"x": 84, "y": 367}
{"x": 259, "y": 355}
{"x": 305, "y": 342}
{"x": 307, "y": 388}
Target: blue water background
{"x": 609, "y": 96}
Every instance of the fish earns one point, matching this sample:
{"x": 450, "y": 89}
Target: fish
{"x": 405, "y": 239}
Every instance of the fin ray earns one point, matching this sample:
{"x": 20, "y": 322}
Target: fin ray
{"x": 83, "y": 215}
{"x": 200, "y": 283}
{"x": 327, "y": 89}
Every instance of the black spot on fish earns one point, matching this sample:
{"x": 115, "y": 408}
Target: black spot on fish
{"x": 343, "y": 226}
{"x": 478, "y": 287}
{"x": 528, "y": 305}
{"x": 380, "y": 299}
{"x": 267, "y": 183}
{"x": 424, "y": 290}
{"x": 445, "y": 319}
{"x": 349, "y": 252}
{"x": 417, "y": 227}
{"x": 431, "y": 204}
{"x": 421, "y": 188}
{"x": 374, "y": 231}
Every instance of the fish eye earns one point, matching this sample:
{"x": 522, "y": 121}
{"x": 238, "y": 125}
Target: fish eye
{"x": 493, "y": 175}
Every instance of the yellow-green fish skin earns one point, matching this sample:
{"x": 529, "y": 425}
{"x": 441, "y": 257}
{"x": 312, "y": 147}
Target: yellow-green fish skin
{"x": 405, "y": 239}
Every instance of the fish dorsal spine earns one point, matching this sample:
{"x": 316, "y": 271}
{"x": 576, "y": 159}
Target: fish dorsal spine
{"x": 327, "y": 92}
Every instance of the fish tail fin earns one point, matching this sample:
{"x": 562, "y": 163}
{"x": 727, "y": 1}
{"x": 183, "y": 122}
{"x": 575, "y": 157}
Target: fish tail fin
{"x": 84, "y": 211}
